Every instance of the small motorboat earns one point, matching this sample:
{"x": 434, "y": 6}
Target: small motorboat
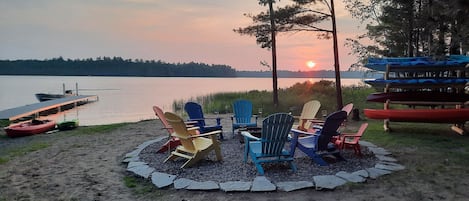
{"x": 45, "y": 97}
{"x": 30, "y": 128}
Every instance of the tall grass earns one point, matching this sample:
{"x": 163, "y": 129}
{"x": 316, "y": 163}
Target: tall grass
{"x": 291, "y": 99}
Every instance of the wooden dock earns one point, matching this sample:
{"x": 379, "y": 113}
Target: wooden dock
{"x": 35, "y": 109}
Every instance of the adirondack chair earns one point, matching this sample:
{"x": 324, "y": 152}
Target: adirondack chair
{"x": 270, "y": 147}
{"x": 318, "y": 145}
{"x": 194, "y": 147}
{"x": 173, "y": 141}
{"x": 242, "y": 115}
{"x": 194, "y": 110}
{"x": 319, "y": 123}
{"x": 351, "y": 140}
{"x": 308, "y": 115}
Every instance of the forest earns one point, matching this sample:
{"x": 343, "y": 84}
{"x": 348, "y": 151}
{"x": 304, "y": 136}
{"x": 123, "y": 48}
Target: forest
{"x": 116, "y": 66}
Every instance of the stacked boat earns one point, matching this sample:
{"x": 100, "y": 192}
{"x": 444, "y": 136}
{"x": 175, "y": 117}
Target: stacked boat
{"x": 440, "y": 86}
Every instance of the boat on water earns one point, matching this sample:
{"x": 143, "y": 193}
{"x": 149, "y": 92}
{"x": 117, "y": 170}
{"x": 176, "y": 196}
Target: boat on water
{"x": 429, "y": 96}
{"x": 30, "y": 128}
{"x": 379, "y": 64}
{"x": 45, "y": 96}
{"x": 420, "y": 115}
{"x": 67, "y": 125}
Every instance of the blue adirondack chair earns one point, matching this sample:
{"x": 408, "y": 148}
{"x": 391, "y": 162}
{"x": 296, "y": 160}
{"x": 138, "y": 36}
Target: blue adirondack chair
{"x": 270, "y": 147}
{"x": 242, "y": 115}
{"x": 194, "y": 110}
{"x": 318, "y": 145}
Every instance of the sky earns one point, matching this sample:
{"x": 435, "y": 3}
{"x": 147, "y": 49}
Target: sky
{"x": 174, "y": 31}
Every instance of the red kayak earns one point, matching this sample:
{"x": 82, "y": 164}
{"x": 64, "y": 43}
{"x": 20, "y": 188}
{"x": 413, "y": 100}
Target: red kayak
{"x": 30, "y": 128}
{"x": 420, "y": 115}
{"x": 418, "y": 96}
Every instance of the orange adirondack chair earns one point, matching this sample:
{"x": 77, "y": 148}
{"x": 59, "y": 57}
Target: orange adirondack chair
{"x": 351, "y": 140}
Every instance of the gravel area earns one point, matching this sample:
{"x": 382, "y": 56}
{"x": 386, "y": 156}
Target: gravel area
{"x": 233, "y": 168}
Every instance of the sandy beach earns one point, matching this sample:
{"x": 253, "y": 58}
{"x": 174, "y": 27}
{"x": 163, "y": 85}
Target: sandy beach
{"x": 89, "y": 167}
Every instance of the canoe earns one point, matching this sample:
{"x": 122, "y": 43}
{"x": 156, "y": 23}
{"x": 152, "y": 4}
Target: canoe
{"x": 30, "y": 128}
{"x": 380, "y": 64}
{"x": 428, "y": 81}
{"x": 67, "y": 125}
{"x": 420, "y": 115}
{"x": 428, "y": 96}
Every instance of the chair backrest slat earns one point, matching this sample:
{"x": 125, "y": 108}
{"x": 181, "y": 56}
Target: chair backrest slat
{"x": 275, "y": 129}
{"x": 180, "y": 130}
{"x": 242, "y": 110}
{"x": 194, "y": 110}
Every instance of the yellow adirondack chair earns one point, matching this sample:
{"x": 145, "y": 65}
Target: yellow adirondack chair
{"x": 194, "y": 147}
{"x": 308, "y": 114}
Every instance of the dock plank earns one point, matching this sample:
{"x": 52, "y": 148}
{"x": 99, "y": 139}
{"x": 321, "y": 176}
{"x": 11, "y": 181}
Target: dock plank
{"x": 31, "y": 109}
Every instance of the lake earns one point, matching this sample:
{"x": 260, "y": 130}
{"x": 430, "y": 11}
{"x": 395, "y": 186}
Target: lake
{"x": 129, "y": 99}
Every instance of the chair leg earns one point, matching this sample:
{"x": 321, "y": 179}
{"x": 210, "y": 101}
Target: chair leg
{"x": 259, "y": 168}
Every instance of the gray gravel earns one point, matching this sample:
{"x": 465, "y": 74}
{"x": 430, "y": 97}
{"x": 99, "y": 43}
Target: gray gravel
{"x": 233, "y": 168}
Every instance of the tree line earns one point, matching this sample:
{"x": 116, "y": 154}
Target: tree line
{"x": 116, "y": 66}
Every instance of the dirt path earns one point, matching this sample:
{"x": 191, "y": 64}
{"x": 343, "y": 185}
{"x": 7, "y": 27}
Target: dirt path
{"x": 88, "y": 167}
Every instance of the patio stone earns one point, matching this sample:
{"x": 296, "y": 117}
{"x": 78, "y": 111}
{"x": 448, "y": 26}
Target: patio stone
{"x": 235, "y": 186}
{"x": 350, "y": 177}
{"x": 375, "y": 172}
{"x": 182, "y": 183}
{"x": 161, "y": 180}
{"x": 328, "y": 182}
{"x": 294, "y": 185}
{"x": 261, "y": 183}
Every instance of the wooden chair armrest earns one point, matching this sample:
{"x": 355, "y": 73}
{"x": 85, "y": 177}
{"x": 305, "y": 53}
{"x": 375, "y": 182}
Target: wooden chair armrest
{"x": 302, "y": 132}
{"x": 248, "y": 135}
{"x": 193, "y": 128}
{"x": 207, "y": 134}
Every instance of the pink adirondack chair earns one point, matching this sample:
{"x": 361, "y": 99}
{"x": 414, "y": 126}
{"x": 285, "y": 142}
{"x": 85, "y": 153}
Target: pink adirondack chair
{"x": 173, "y": 142}
{"x": 351, "y": 140}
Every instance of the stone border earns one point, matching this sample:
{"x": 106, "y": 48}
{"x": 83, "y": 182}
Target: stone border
{"x": 386, "y": 165}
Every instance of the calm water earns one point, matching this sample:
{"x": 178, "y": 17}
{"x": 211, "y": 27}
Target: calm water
{"x": 128, "y": 99}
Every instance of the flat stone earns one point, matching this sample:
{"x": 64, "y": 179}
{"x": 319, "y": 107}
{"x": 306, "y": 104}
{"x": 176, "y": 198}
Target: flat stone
{"x": 205, "y": 185}
{"x": 386, "y": 158}
{"x": 142, "y": 170}
{"x": 261, "y": 183}
{"x": 379, "y": 151}
{"x": 161, "y": 180}
{"x": 389, "y": 166}
{"x": 327, "y": 182}
{"x": 182, "y": 183}
{"x": 135, "y": 164}
{"x": 350, "y": 177}
{"x": 375, "y": 172}
{"x": 361, "y": 173}
{"x": 294, "y": 185}
{"x": 235, "y": 186}
{"x": 132, "y": 157}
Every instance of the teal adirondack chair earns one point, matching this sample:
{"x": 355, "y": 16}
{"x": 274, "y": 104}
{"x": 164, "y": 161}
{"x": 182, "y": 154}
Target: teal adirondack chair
{"x": 270, "y": 147}
{"x": 242, "y": 115}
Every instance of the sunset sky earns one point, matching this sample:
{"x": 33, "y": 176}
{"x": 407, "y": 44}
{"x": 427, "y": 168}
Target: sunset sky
{"x": 167, "y": 30}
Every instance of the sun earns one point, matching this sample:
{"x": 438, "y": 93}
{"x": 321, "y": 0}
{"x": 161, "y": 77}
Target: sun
{"x": 310, "y": 64}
